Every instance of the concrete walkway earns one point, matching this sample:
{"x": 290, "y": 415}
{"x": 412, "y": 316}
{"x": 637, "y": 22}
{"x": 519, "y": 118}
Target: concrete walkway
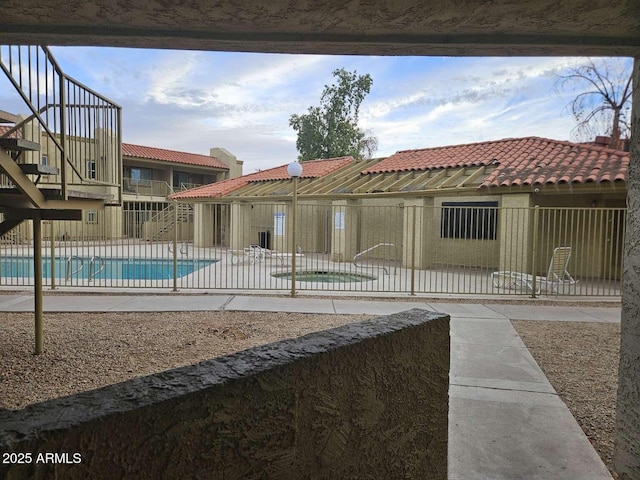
{"x": 505, "y": 419}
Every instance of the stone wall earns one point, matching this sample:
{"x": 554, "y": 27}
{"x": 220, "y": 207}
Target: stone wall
{"x": 366, "y": 400}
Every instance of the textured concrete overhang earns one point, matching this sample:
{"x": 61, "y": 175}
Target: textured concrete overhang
{"x": 372, "y": 27}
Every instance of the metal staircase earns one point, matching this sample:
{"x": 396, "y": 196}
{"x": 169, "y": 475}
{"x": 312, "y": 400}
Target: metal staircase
{"x": 166, "y": 219}
{"x": 77, "y": 130}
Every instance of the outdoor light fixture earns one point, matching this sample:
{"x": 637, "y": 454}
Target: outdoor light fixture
{"x": 294, "y": 169}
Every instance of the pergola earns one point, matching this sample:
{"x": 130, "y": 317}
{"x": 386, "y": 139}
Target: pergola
{"x": 381, "y": 27}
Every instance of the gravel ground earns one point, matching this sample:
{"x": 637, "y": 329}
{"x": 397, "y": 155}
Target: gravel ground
{"x": 581, "y": 362}
{"x": 88, "y": 351}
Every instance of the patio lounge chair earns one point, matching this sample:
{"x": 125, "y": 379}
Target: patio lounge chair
{"x": 250, "y": 254}
{"x": 557, "y": 280}
{"x": 284, "y": 257}
{"x": 256, "y": 253}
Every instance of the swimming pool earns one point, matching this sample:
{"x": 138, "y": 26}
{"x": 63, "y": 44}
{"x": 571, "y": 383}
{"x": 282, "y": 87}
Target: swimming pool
{"x": 325, "y": 276}
{"x": 98, "y": 268}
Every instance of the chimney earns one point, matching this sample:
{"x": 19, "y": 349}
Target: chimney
{"x": 602, "y": 140}
{"x": 230, "y": 160}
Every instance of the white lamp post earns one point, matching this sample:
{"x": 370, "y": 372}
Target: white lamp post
{"x": 294, "y": 170}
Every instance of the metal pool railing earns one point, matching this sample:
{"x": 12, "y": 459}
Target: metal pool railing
{"x": 361, "y": 254}
{"x": 444, "y": 249}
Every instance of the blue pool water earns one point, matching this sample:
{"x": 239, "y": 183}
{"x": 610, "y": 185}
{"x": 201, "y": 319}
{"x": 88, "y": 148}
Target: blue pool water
{"x": 101, "y": 269}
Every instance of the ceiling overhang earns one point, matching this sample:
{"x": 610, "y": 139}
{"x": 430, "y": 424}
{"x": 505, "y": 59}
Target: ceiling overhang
{"x": 373, "y": 27}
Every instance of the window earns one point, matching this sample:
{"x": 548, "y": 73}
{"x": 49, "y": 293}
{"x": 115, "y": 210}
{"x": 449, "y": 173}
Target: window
{"x": 44, "y": 160}
{"x": 140, "y": 176}
{"x": 470, "y": 220}
{"x": 92, "y": 216}
{"x": 180, "y": 179}
{"x": 91, "y": 169}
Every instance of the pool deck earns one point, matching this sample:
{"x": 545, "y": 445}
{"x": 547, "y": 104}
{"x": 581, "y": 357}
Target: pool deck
{"x": 505, "y": 419}
{"x": 230, "y": 272}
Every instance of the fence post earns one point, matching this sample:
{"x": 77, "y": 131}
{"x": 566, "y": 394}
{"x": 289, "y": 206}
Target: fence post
{"x": 534, "y": 252}
{"x": 413, "y": 250}
{"x": 53, "y": 257}
{"x": 63, "y": 137}
{"x": 175, "y": 246}
{"x": 37, "y": 277}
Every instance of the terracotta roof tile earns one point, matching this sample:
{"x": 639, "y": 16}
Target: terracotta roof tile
{"x": 140, "y": 151}
{"x": 519, "y": 161}
{"x": 310, "y": 169}
{"x": 218, "y": 189}
{"x": 5, "y": 128}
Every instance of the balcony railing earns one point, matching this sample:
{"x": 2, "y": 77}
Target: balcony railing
{"x": 187, "y": 186}
{"x": 152, "y": 188}
{"x": 155, "y": 188}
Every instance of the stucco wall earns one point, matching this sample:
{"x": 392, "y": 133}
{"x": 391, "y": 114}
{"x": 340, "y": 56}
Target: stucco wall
{"x": 382, "y": 221}
{"x": 239, "y": 231}
{"x": 314, "y": 224}
{"x": 460, "y": 251}
{"x": 515, "y": 233}
{"x": 627, "y": 441}
{"x": 366, "y": 400}
{"x": 107, "y": 224}
{"x": 345, "y": 230}
{"x": 594, "y": 234}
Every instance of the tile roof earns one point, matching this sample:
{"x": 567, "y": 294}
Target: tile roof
{"x": 518, "y": 162}
{"x": 5, "y": 128}
{"x": 310, "y": 169}
{"x": 140, "y": 151}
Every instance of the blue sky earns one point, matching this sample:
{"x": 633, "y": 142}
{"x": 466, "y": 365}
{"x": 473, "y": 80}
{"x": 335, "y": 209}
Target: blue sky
{"x": 191, "y": 100}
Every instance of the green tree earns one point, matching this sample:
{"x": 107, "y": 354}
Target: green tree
{"x": 603, "y": 98}
{"x": 331, "y": 129}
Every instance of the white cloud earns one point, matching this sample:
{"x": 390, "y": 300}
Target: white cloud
{"x": 191, "y": 101}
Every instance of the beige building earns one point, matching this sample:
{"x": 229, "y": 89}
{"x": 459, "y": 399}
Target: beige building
{"x": 464, "y": 202}
{"x": 151, "y": 174}
{"x": 135, "y": 198}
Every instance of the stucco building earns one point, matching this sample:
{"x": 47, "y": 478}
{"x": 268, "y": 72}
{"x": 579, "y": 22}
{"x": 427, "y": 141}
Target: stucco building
{"x": 469, "y": 201}
{"x": 135, "y": 198}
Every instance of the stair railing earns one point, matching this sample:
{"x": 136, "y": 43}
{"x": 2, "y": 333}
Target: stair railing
{"x": 164, "y": 219}
{"x": 82, "y": 129}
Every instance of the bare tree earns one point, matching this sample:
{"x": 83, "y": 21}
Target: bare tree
{"x": 603, "y": 98}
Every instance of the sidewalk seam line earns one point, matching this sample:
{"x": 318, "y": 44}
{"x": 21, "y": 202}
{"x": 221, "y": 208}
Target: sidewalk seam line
{"x": 504, "y": 389}
{"x": 224, "y": 305}
{"x": 128, "y": 299}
